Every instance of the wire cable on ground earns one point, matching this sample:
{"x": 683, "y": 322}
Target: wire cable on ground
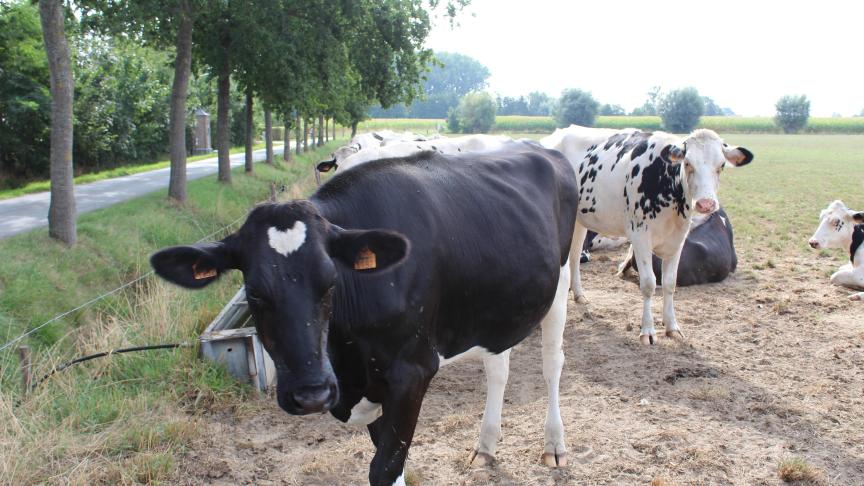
{"x": 82, "y": 359}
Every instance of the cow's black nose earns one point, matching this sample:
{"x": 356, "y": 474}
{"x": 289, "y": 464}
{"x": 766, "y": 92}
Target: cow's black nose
{"x": 315, "y": 398}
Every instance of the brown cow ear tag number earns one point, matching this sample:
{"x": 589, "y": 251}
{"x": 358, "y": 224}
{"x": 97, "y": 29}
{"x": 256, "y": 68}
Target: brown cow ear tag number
{"x": 210, "y": 272}
{"x": 365, "y": 260}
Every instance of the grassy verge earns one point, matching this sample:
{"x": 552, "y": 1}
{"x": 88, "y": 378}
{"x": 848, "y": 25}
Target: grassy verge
{"x": 120, "y": 419}
{"x": 42, "y": 186}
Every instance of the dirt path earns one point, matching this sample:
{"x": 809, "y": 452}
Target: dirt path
{"x": 773, "y": 368}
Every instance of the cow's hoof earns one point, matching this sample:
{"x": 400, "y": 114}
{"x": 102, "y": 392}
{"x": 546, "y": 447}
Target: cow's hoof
{"x": 550, "y": 459}
{"x": 676, "y": 335}
{"x": 647, "y": 339}
{"x": 481, "y": 459}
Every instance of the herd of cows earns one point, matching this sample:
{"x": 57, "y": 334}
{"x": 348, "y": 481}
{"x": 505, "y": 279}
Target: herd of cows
{"x": 421, "y": 251}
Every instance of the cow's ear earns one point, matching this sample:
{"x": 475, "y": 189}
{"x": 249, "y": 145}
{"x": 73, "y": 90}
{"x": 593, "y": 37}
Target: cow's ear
{"x": 326, "y": 165}
{"x": 194, "y": 266}
{"x": 738, "y": 156}
{"x": 673, "y": 154}
{"x": 368, "y": 251}
{"x": 857, "y": 216}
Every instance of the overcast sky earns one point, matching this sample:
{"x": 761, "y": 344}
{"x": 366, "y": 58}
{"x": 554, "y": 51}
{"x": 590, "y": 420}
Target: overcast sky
{"x": 744, "y": 54}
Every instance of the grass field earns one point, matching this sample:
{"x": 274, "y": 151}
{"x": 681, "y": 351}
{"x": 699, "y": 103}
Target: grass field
{"x": 545, "y": 124}
{"x": 142, "y": 418}
{"x": 120, "y": 419}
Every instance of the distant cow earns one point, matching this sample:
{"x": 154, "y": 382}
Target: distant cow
{"x": 644, "y": 186}
{"x": 375, "y": 139}
{"x": 344, "y": 159}
{"x": 449, "y": 256}
{"x": 708, "y": 255}
{"x": 841, "y": 227}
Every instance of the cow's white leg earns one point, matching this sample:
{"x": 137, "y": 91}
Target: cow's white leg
{"x": 553, "y": 362}
{"x": 579, "y": 234}
{"x": 497, "y": 368}
{"x": 647, "y": 284}
{"x": 670, "y": 278}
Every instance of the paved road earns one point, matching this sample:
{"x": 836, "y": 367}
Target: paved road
{"x": 28, "y": 212}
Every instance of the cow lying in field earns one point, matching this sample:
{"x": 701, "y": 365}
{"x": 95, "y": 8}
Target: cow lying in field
{"x": 841, "y": 227}
{"x": 644, "y": 186}
{"x": 396, "y": 268}
{"x": 708, "y": 255}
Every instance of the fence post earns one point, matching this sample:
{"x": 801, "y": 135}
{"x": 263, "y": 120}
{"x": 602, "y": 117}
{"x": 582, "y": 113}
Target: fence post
{"x": 272, "y": 192}
{"x": 26, "y": 379}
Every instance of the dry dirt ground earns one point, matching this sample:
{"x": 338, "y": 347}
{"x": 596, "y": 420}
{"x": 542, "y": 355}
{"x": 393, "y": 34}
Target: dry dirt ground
{"x": 772, "y": 368}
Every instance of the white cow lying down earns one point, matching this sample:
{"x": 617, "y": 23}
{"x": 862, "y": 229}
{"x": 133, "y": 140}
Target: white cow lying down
{"x": 841, "y": 227}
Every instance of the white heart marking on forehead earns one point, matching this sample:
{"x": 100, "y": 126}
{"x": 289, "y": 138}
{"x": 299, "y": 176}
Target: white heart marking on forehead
{"x": 288, "y": 241}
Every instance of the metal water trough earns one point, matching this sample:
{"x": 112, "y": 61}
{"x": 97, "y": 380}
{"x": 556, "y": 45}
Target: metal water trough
{"x": 232, "y": 341}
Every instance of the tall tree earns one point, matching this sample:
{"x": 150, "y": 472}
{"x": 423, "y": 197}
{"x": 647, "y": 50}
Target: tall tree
{"x": 250, "y": 121}
{"x": 177, "y": 123}
{"x": 159, "y": 23}
{"x": 61, "y": 212}
{"x": 268, "y": 136}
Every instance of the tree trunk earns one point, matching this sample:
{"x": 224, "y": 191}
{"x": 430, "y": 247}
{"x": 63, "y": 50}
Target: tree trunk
{"x": 61, "y": 212}
{"x": 353, "y": 128}
{"x": 223, "y": 126}
{"x": 268, "y": 137}
{"x": 286, "y": 150}
{"x": 326, "y": 130}
{"x": 297, "y": 128}
{"x": 305, "y": 134}
{"x": 177, "y": 122}
{"x": 334, "y": 129}
{"x": 320, "y": 130}
{"x": 249, "y": 134}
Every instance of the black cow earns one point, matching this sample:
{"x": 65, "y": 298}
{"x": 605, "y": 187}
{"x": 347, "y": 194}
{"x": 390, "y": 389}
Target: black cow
{"x": 395, "y": 268}
{"x": 708, "y": 255}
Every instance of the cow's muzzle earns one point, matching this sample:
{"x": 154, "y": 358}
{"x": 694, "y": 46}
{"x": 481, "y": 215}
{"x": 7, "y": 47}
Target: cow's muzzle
{"x": 310, "y": 399}
{"x": 706, "y": 206}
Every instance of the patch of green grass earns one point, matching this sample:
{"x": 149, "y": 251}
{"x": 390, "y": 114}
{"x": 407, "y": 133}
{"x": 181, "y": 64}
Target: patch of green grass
{"x": 42, "y": 186}
{"x": 122, "y": 418}
{"x": 774, "y": 202}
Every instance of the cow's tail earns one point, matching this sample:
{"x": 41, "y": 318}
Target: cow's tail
{"x": 628, "y": 263}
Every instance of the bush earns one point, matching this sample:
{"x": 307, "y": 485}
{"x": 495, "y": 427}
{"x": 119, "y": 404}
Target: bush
{"x": 681, "y": 109}
{"x": 792, "y": 113}
{"x": 576, "y": 107}
{"x": 452, "y": 120}
{"x": 475, "y": 113}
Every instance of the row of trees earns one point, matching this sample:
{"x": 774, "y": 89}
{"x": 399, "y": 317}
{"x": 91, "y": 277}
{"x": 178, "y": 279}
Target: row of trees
{"x": 680, "y": 110}
{"x": 301, "y": 59}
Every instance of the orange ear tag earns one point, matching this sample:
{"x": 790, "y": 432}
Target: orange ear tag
{"x": 365, "y": 260}
{"x": 211, "y": 272}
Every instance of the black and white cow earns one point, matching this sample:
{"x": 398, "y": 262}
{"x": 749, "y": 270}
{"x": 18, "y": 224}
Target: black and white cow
{"x": 644, "y": 186}
{"x": 395, "y": 268}
{"x": 708, "y": 255}
{"x": 841, "y": 227}
{"x": 350, "y": 156}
